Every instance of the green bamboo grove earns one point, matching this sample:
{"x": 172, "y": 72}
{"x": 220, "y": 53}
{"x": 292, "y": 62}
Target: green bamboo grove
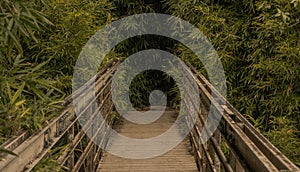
{"x": 257, "y": 41}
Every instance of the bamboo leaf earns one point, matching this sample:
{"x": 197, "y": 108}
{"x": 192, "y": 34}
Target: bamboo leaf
{"x": 39, "y": 66}
{"x": 17, "y": 94}
{"x": 2, "y": 150}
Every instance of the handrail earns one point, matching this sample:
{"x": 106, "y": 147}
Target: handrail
{"x": 247, "y": 149}
{"x": 32, "y": 149}
{"x": 239, "y": 134}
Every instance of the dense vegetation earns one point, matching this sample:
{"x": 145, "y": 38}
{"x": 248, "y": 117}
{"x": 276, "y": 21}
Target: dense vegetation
{"x": 257, "y": 41}
{"x": 40, "y": 42}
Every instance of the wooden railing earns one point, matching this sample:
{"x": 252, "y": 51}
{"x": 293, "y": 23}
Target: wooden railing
{"x": 67, "y": 130}
{"x": 235, "y": 146}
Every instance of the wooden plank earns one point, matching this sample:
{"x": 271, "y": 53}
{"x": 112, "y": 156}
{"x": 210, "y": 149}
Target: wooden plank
{"x": 34, "y": 148}
{"x": 177, "y": 159}
{"x": 269, "y": 150}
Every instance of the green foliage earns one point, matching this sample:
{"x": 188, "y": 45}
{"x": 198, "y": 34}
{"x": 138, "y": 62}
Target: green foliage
{"x": 131, "y": 7}
{"x": 74, "y": 22}
{"x": 284, "y": 136}
{"x": 50, "y": 163}
{"x": 2, "y": 150}
{"x": 28, "y": 96}
{"x": 18, "y": 24}
{"x": 258, "y": 43}
{"x": 143, "y": 84}
{"x": 39, "y": 44}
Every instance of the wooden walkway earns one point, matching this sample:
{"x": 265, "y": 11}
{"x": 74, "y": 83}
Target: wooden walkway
{"x": 179, "y": 158}
{"x": 235, "y": 146}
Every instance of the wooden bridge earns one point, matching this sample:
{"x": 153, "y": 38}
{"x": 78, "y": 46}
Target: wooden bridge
{"x": 235, "y": 146}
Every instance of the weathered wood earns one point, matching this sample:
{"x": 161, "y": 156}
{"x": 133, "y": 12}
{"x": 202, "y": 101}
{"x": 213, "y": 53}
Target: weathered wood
{"x": 177, "y": 159}
{"x": 255, "y": 150}
{"x": 245, "y": 148}
{"x": 31, "y": 150}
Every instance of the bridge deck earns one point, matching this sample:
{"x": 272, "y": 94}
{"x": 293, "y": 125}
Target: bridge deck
{"x": 178, "y": 159}
{"x": 236, "y": 146}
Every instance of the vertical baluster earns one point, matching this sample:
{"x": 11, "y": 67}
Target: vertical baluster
{"x": 217, "y": 136}
{"x": 70, "y": 162}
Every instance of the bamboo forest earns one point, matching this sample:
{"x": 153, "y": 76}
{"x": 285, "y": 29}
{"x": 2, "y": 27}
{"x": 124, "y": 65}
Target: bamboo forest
{"x": 257, "y": 42}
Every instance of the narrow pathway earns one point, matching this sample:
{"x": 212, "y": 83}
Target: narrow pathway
{"x": 177, "y": 159}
